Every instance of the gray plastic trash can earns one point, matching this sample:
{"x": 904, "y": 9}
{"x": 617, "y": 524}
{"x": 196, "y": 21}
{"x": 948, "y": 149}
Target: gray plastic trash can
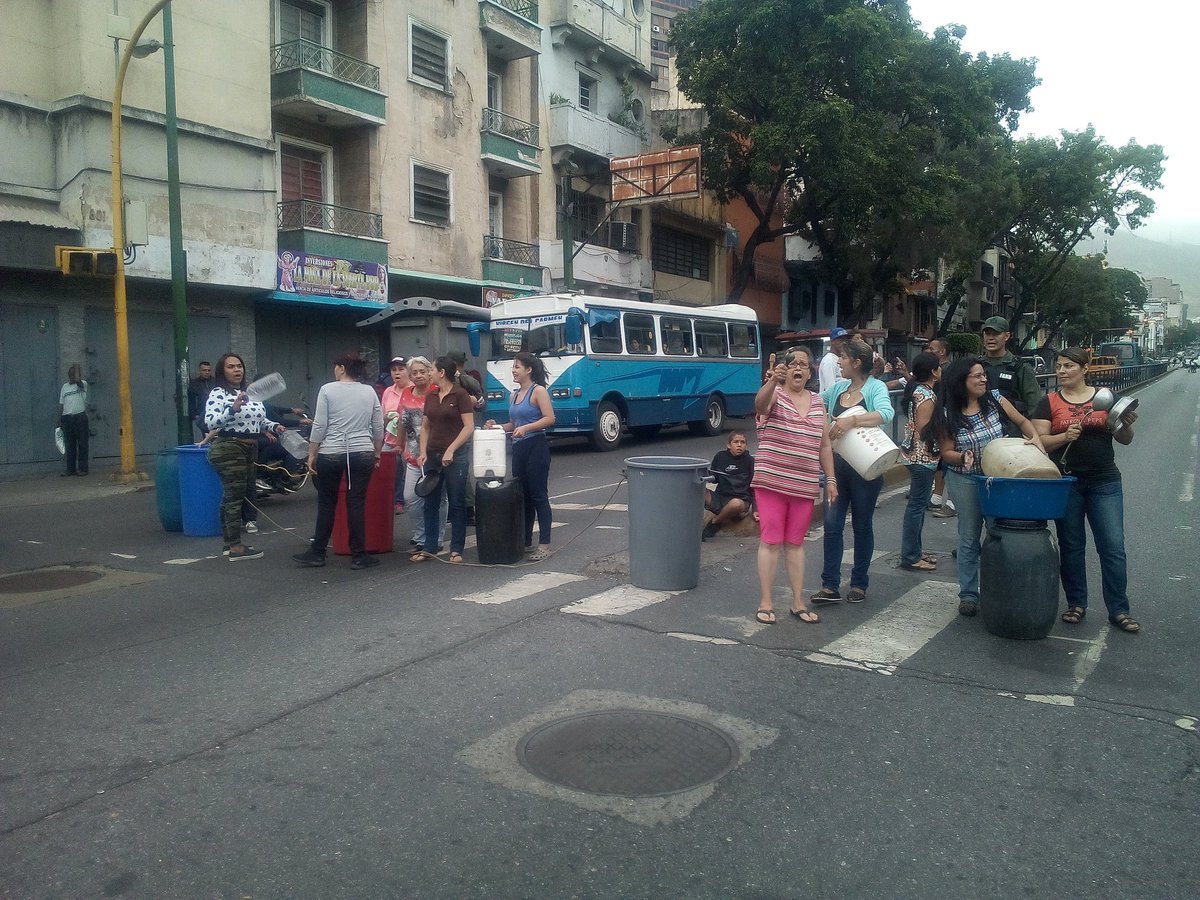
{"x": 666, "y": 512}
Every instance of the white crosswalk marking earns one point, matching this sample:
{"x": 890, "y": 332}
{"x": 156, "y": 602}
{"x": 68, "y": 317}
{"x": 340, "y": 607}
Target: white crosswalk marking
{"x": 523, "y": 587}
{"x": 594, "y": 507}
{"x": 617, "y": 601}
{"x": 893, "y": 635}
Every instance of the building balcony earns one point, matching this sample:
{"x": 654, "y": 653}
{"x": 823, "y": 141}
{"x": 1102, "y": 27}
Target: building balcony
{"x": 509, "y": 147}
{"x": 510, "y": 28}
{"x": 320, "y": 85}
{"x": 511, "y": 262}
{"x": 335, "y": 231}
{"x": 574, "y": 130}
{"x": 594, "y": 26}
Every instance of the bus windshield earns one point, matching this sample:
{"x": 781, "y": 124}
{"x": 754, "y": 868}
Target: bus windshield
{"x": 541, "y": 336}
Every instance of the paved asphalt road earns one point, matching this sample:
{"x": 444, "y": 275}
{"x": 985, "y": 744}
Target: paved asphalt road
{"x": 187, "y": 727}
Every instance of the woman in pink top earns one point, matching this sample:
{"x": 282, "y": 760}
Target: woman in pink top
{"x": 793, "y": 449}
{"x": 393, "y": 442}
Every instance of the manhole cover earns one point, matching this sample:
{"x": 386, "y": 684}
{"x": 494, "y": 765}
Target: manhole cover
{"x": 47, "y": 580}
{"x": 629, "y": 753}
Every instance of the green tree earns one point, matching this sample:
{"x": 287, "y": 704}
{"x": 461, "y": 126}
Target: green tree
{"x": 843, "y": 122}
{"x": 1065, "y": 189}
{"x": 1087, "y": 298}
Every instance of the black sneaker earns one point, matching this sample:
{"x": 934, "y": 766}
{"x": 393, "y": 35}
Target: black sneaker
{"x": 247, "y": 552}
{"x": 363, "y": 562}
{"x": 710, "y": 531}
{"x": 310, "y": 558}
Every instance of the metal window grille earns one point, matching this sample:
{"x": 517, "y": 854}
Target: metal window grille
{"x": 680, "y": 253}
{"x": 431, "y": 196}
{"x": 304, "y": 54}
{"x": 511, "y": 251}
{"x": 509, "y": 126}
{"x": 430, "y": 56}
{"x": 524, "y": 8}
{"x": 296, "y": 214}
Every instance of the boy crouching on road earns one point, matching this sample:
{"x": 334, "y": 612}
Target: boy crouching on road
{"x": 732, "y": 500}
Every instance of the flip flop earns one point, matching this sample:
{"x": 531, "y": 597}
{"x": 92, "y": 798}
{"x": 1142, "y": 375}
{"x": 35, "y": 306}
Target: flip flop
{"x": 421, "y": 556}
{"x": 1074, "y": 615}
{"x": 456, "y": 559}
{"x": 921, "y": 565}
{"x": 807, "y": 616}
{"x": 765, "y": 616}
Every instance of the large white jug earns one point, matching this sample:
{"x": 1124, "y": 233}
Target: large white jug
{"x": 487, "y": 450}
{"x": 1013, "y": 458}
{"x": 868, "y": 450}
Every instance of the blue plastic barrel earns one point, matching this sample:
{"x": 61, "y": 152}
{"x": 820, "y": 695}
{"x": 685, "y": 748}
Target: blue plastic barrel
{"x": 166, "y": 489}
{"x": 200, "y": 493}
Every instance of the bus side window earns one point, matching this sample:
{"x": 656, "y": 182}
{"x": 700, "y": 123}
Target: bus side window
{"x": 743, "y": 340}
{"x": 677, "y": 336}
{"x": 711, "y": 339}
{"x": 606, "y": 337}
{"x": 639, "y": 333}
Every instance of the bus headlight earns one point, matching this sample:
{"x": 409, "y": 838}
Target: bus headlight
{"x": 560, "y": 393}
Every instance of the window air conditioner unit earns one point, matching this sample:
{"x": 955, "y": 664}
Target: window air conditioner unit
{"x": 623, "y": 236}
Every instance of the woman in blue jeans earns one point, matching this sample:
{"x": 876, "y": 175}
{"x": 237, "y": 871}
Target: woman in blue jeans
{"x": 446, "y": 430}
{"x": 920, "y": 458}
{"x": 530, "y": 413}
{"x": 966, "y": 418}
{"x": 1080, "y": 442}
{"x": 856, "y": 388}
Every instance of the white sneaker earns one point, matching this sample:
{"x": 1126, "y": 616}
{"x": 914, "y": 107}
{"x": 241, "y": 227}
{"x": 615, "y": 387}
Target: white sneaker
{"x": 250, "y": 528}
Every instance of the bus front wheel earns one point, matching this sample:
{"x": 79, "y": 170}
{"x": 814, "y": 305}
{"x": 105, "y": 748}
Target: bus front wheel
{"x": 713, "y": 421}
{"x": 607, "y": 433}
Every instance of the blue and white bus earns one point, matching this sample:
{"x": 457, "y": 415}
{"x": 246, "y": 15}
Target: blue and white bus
{"x": 617, "y": 363}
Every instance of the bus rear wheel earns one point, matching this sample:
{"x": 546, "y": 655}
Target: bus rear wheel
{"x": 607, "y": 433}
{"x": 714, "y": 419}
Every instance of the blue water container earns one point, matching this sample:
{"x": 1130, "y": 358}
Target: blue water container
{"x": 166, "y": 489}
{"x": 200, "y": 493}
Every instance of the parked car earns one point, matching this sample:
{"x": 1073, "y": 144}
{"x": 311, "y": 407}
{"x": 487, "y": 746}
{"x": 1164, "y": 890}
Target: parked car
{"x": 1038, "y": 363}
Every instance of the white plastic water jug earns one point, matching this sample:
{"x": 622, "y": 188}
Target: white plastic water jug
{"x": 869, "y": 451}
{"x": 488, "y": 457}
{"x": 1013, "y": 458}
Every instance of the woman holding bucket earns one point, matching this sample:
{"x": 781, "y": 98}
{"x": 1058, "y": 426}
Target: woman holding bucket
{"x": 966, "y": 418}
{"x": 1080, "y": 440}
{"x": 857, "y": 388}
{"x": 530, "y": 413}
{"x": 793, "y": 448}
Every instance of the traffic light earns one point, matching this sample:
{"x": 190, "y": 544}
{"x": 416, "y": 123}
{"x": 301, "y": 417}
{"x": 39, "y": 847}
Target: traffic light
{"x": 88, "y": 261}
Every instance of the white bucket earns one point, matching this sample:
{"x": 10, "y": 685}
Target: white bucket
{"x": 488, "y": 457}
{"x": 869, "y": 451}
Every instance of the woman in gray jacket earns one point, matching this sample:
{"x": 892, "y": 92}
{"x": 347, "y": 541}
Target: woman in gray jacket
{"x": 346, "y": 439}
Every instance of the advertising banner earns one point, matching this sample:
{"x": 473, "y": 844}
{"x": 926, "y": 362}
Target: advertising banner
{"x": 323, "y": 276}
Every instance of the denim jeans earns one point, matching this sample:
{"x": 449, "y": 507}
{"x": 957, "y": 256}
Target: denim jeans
{"x": 414, "y": 506}
{"x": 454, "y": 486}
{"x": 330, "y": 471}
{"x": 531, "y": 464}
{"x": 857, "y": 495}
{"x": 919, "y": 490}
{"x": 1104, "y": 507}
{"x": 964, "y": 492}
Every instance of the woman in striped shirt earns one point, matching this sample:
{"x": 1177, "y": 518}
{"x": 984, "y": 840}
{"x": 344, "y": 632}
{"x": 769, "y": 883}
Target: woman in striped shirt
{"x": 793, "y": 449}
{"x": 965, "y": 420}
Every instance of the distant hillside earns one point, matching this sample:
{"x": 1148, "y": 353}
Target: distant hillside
{"x": 1179, "y": 262}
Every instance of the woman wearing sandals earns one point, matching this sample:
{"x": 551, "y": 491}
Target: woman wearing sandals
{"x": 530, "y": 413}
{"x": 446, "y": 430}
{"x": 793, "y": 448}
{"x": 1081, "y": 444}
{"x": 966, "y": 418}
{"x": 920, "y": 459}
{"x": 855, "y": 493}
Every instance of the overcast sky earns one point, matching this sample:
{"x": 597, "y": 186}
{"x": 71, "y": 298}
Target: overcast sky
{"x": 1128, "y": 68}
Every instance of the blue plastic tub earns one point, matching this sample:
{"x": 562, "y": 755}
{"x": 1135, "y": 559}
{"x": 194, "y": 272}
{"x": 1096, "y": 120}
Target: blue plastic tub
{"x": 166, "y": 489}
{"x": 200, "y": 493}
{"x": 1024, "y": 498}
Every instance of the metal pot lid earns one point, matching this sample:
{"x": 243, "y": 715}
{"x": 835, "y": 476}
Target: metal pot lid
{"x": 1114, "y": 415}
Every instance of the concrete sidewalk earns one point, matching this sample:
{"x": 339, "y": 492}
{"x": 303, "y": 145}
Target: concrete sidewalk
{"x": 42, "y": 490}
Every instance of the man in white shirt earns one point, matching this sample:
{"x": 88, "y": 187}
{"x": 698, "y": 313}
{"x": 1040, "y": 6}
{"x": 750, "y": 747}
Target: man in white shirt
{"x": 829, "y": 371}
{"x": 73, "y": 420}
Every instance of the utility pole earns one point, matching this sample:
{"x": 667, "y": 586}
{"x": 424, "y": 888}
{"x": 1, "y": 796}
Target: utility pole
{"x": 568, "y": 234}
{"x": 175, "y": 229}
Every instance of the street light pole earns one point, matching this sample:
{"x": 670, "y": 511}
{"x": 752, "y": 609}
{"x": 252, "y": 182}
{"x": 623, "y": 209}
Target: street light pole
{"x": 175, "y": 230}
{"x": 128, "y": 470}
